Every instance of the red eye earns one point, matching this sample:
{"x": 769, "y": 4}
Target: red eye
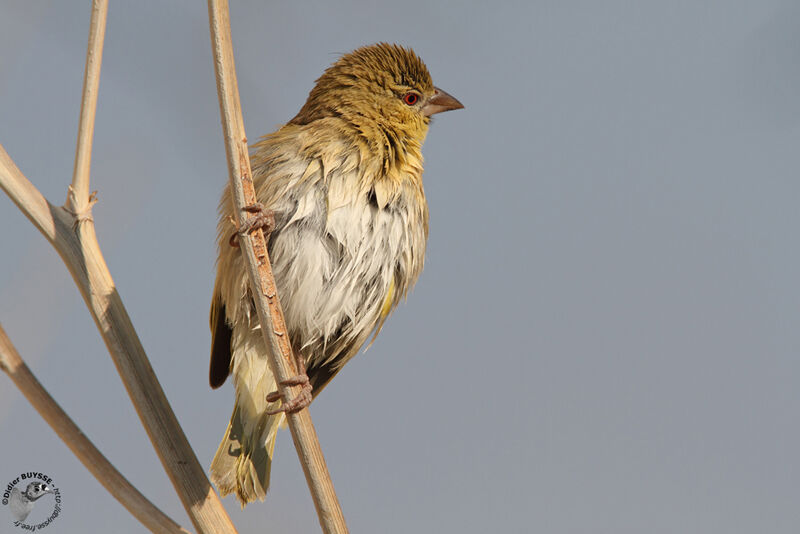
{"x": 411, "y": 98}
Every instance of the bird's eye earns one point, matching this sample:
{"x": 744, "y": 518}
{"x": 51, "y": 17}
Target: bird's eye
{"x": 411, "y": 98}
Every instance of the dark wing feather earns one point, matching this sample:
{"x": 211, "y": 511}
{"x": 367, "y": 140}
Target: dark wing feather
{"x": 320, "y": 376}
{"x": 220, "y": 344}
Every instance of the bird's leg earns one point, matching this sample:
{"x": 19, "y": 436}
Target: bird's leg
{"x": 262, "y": 218}
{"x": 303, "y": 399}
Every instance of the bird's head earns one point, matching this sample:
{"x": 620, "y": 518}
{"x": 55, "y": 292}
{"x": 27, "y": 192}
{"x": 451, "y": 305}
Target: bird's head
{"x": 378, "y": 89}
{"x": 36, "y": 490}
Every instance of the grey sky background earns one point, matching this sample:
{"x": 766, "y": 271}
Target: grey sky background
{"x": 605, "y": 337}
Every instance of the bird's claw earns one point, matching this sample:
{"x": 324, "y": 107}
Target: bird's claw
{"x": 262, "y": 218}
{"x": 300, "y": 401}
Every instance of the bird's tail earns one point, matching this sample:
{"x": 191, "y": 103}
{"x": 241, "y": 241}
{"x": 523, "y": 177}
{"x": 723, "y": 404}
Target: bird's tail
{"x": 244, "y": 457}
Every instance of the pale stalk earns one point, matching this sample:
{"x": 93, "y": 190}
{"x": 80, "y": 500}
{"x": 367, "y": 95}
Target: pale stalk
{"x": 117, "y": 485}
{"x": 262, "y": 282}
{"x": 78, "y": 199}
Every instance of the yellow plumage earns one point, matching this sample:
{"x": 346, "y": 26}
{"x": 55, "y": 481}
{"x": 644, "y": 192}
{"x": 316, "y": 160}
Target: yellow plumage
{"x": 344, "y": 182}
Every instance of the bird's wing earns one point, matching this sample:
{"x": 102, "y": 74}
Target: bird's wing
{"x": 19, "y": 505}
{"x": 220, "y": 344}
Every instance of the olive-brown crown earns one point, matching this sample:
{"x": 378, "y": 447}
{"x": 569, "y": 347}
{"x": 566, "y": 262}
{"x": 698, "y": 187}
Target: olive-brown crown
{"x": 381, "y": 85}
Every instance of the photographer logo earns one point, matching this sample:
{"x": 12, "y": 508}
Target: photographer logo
{"x": 32, "y": 500}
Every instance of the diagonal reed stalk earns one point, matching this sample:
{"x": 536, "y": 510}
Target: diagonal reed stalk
{"x": 117, "y": 485}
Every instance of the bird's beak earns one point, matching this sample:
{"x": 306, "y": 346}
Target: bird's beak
{"x": 440, "y": 101}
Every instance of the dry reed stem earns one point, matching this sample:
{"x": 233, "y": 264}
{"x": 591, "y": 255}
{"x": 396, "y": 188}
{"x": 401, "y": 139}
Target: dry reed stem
{"x": 71, "y": 232}
{"x": 78, "y": 201}
{"x": 117, "y": 485}
{"x": 262, "y": 282}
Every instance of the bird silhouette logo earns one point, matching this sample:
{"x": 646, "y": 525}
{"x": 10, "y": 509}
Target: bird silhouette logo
{"x": 21, "y": 502}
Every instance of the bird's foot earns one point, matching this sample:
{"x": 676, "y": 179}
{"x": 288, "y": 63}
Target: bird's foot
{"x": 302, "y": 400}
{"x": 262, "y": 218}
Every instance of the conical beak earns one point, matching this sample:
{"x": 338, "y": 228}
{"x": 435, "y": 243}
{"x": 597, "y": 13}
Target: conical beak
{"x": 440, "y": 101}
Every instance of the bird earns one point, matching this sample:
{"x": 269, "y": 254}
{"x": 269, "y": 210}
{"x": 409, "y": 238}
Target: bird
{"x": 342, "y": 184}
{"x": 21, "y": 502}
